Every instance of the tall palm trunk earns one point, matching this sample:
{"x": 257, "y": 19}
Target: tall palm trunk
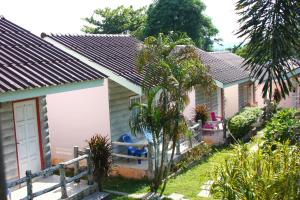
{"x": 174, "y": 144}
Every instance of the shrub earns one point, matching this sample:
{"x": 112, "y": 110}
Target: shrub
{"x": 240, "y": 124}
{"x": 201, "y": 113}
{"x": 193, "y": 155}
{"x": 102, "y": 157}
{"x": 283, "y": 126}
{"x": 263, "y": 174}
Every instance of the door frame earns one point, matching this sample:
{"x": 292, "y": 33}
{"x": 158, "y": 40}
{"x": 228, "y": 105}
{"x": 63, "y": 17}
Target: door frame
{"x": 38, "y": 117}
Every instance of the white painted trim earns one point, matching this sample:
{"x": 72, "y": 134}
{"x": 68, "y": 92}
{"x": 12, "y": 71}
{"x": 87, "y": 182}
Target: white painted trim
{"x": 36, "y": 92}
{"x": 237, "y": 82}
{"x": 219, "y": 95}
{"x": 111, "y": 75}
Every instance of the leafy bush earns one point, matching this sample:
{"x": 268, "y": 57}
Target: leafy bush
{"x": 283, "y": 126}
{"x": 201, "y": 113}
{"x": 263, "y": 174}
{"x": 193, "y": 155}
{"x": 102, "y": 157}
{"x": 269, "y": 110}
{"x": 240, "y": 124}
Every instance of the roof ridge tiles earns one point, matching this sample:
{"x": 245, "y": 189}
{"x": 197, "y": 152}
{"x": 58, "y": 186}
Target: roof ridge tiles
{"x": 43, "y": 34}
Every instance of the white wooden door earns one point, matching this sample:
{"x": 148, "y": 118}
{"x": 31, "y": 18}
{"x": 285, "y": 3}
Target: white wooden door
{"x": 27, "y": 136}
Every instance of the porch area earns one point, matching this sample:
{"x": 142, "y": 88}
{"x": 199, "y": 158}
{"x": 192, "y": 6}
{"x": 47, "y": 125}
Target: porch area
{"x": 46, "y": 184}
{"x": 142, "y": 166}
{"x": 74, "y": 190}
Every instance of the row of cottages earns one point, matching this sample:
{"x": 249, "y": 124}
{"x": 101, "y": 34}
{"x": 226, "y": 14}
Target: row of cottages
{"x": 235, "y": 90}
{"x": 30, "y": 69}
{"x": 114, "y": 56}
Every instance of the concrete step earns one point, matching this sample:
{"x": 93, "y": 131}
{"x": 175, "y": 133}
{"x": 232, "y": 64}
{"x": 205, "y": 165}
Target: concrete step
{"x": 98, "y": 196}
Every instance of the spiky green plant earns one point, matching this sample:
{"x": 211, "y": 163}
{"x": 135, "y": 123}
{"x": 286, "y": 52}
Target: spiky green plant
{"x": 264, "y": 174}
{"x": 102, "y": 157}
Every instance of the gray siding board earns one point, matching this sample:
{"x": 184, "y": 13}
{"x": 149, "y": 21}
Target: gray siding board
{"x": 9, "y": 144}
{"x": 210, "y": 100}
{"x": 45, "y": 131}
{"x": 118, "y": 109}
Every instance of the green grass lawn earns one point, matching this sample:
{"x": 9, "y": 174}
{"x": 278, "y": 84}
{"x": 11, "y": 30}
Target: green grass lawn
{"x": 187, "y": 183}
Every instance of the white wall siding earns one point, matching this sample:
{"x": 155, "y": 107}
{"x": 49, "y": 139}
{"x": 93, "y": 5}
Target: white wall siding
{"x": 118, "y": 109}
{"x": 9, "y": 143}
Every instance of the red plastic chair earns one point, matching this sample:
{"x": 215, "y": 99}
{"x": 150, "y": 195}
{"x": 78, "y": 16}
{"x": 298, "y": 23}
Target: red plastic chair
{"x": 214, "y": 117}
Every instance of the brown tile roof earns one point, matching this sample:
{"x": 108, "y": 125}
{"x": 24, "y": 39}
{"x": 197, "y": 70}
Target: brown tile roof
{"x": 114, "y": 52}
{"x": 224, "y": 67}
{"x": 118, "y": 52}
{"x": 27, "y": 61}
{"x": 229, "y": 57}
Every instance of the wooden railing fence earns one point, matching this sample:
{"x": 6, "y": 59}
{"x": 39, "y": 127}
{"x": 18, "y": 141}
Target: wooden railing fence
{"x": 78, "y": 156}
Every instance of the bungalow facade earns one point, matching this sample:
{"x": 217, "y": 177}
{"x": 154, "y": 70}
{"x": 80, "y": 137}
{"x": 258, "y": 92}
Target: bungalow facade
{"x": 114, "y": 56}
{"x": 30, "y": 69}
{"x": 234, "y": 91}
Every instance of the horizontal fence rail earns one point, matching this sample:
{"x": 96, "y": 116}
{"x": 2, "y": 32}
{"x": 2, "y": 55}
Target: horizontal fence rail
{"x": 78, "y": 156}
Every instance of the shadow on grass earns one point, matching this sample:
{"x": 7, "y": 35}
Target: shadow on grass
{"x": 130, "y": 186}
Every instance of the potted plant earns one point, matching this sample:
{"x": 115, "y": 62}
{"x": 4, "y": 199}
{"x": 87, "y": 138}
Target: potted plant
{"x": 201, "y": 113}
{"x": 102, "y": 158}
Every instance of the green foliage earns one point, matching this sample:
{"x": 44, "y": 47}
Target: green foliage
{"x": 201, "y": 113}
{"x": 116, "y": 21}
{"x": 102, "y": 157}
{"x": 184, "y": 16}
{"x": 239, "y": 50}
{"x": 282, "y": 127}
{"x": 240, "y": 124}
{"x": 269, "y": 110}
{"x": 262, "y": 174}
{"x": 195, "y": 154}
{"x": 171, "y": 68}
{"x": 272, "y": 32}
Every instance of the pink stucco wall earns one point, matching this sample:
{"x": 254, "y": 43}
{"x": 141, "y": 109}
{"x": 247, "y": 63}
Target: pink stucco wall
{"x": 189, "y": 109}
{"x": 76, "y": 116}
{"x": 289, "y": 102}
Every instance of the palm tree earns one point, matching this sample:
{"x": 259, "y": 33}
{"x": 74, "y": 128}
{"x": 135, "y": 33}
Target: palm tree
{"x": 271, "y": 29}
{"x": 171, "y": 63}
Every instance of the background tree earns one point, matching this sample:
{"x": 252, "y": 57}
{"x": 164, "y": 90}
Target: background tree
{"x": 271, "y": 31}
{"x": 184, "y": 16}
{"x": 238, "y": 50}
{"x": 116, "y": 21}
{"x": 179, "y": 69}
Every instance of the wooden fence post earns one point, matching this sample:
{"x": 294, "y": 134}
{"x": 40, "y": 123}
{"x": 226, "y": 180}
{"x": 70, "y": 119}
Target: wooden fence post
{"x": 29, "y": 184}
{"x": 150, "y": 161}
{"x": 63, "y": 185}
{"x": 178, "y": 147}
{"x": 89, "y": 166}
{"x": 200, "y": 130}
{"x": 76, "y": 164}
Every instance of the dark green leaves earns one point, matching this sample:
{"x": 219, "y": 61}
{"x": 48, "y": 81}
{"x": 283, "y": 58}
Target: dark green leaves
{"x": 115, "y": 21}
{"x": 271, "y": 30}
{"x": 181, "y": 16}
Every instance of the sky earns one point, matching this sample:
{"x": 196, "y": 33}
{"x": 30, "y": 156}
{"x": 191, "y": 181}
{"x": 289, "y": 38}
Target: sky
{"x": 65, "y": 16}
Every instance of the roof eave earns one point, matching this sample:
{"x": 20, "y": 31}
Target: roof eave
{"x": 241, "y": 81}
{"x": 42, "y": 91}
{"x": 111, "y": 75}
